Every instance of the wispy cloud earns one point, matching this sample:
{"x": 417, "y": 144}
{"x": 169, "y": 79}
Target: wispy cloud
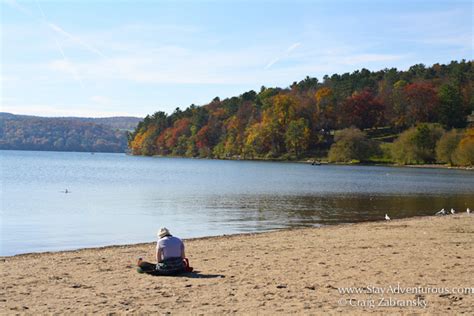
{"x": 75, "y": 39}
{"x": 139, "y": 54}
{"x": 61, "y": 50}
{"x": 172, "y": 65}
{"x": 293, "y": 47}
{"x": 182, "y": 66}
{"x": 54, "y": 27}
{"x": 72, "y": 68}
{"x": 285, "y": 55}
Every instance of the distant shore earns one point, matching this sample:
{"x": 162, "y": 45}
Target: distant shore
{"x": 305, "y": 161}
{"x": 325, "y": 162}
{"x": 429, "y": 166}
{"x": 301, "y": 271}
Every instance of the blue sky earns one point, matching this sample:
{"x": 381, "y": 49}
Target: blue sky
{"x": 106, "y": 58}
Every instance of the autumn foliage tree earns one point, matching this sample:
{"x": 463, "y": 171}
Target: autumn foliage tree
{"x": 302, "y": 119}
{"x": 363, "y": 110}
{"x": 422, "y": 103}
{"x": 325, "y": 114}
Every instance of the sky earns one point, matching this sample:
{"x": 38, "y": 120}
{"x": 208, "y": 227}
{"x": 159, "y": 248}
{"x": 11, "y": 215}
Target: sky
{"x": 115, "y": 58}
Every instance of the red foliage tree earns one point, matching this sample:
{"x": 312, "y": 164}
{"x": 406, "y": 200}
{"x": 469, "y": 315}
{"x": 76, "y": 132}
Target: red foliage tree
{"x": 202, "y": 137}
{"x": 181, "y": 127}
{"x": 363, "y": 110}
{"x": 422, "y": 103}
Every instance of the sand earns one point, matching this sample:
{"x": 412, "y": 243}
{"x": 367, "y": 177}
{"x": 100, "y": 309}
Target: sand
{"x": 284, "y": 272}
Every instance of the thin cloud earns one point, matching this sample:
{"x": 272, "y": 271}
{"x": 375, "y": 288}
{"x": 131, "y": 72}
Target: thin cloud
{"x": 293, "y": 47}
{"x": 272, "y": 62}
{"x": 16, "y": 5}
{"x": 72, "y": 68}
{"x": 75, "y": 39}
{"x": 41, "y": 10}
{"x": 61, "y": 50}
{"x": 287, "y": 53}
{"x": 56, "y": 28}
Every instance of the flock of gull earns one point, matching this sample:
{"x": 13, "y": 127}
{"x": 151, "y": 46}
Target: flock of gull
{"x": 440, "y": 213}
{"x": 453, "y": 211}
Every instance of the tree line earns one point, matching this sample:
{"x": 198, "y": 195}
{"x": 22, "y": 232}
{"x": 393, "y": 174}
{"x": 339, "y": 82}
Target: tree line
{"x": 308, "y": 118}
{"x": 19, "y": 132}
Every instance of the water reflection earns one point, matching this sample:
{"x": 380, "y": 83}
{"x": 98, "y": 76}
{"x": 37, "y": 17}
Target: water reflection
{"x": 275, "y": 211}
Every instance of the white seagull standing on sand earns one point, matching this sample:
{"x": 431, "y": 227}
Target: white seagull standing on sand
{"x": 453, "y": 211}
{"x": 386, "y": 217}
{"x": 468, "y": 211}
{"x": 442, "y": 212}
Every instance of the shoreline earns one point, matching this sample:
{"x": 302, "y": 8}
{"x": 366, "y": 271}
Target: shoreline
{"x": 304, "y": 161}
{"x": 321, "y": 162}
{"x": 193, "y": 239}
{"x": 277, "y": 272}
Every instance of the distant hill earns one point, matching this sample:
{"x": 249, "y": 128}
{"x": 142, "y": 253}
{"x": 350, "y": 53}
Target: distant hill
{"x": 24, "y": 132}
{"x": 115, "y": 122}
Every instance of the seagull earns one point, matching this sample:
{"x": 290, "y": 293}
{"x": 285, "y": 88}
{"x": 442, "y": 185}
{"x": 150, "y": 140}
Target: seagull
{"x": 442, "y": 212}
{"x": 468, "y": 211}
{"x": 386, "y": 217}
{"x": 453, "y": 211}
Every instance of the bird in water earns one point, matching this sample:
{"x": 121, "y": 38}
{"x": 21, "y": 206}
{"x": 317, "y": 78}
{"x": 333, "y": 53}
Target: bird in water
{"x": 442, "y": 212}
{"x": 386, "y": 217}
{"x": 453, "y": 211}
{"x": 468, "y": 211}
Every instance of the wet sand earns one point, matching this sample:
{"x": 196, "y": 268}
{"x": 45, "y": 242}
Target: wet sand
{"x": 284, "y": 272}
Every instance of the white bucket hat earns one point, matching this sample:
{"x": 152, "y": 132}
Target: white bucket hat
{"x": 163, "y": 232}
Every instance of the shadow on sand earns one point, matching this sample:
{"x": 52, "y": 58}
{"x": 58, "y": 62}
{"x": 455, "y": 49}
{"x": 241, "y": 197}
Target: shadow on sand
{"x": 198, "y": 275}
{"x": 192, "y": 275}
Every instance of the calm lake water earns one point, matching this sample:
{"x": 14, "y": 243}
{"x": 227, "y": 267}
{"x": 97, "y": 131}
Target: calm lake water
{"x": 119, "y": 199}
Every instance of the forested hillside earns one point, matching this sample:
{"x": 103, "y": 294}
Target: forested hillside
{"x": 116, "y": 122}
{"x": 301, "y": 120}
{"x": 23, "y": 132}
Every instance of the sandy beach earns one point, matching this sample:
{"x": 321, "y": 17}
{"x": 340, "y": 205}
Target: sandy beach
{"x": 418, "y": 265}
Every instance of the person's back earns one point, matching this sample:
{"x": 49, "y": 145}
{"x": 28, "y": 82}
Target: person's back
{"x": 169, "y": 252}
{"x": 171, "y": 247}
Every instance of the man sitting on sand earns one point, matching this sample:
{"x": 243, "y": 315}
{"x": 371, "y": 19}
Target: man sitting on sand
{"x": 169, "y": 255}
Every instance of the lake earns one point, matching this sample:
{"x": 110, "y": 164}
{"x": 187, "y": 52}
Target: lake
{"x": 119, "y": 199}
